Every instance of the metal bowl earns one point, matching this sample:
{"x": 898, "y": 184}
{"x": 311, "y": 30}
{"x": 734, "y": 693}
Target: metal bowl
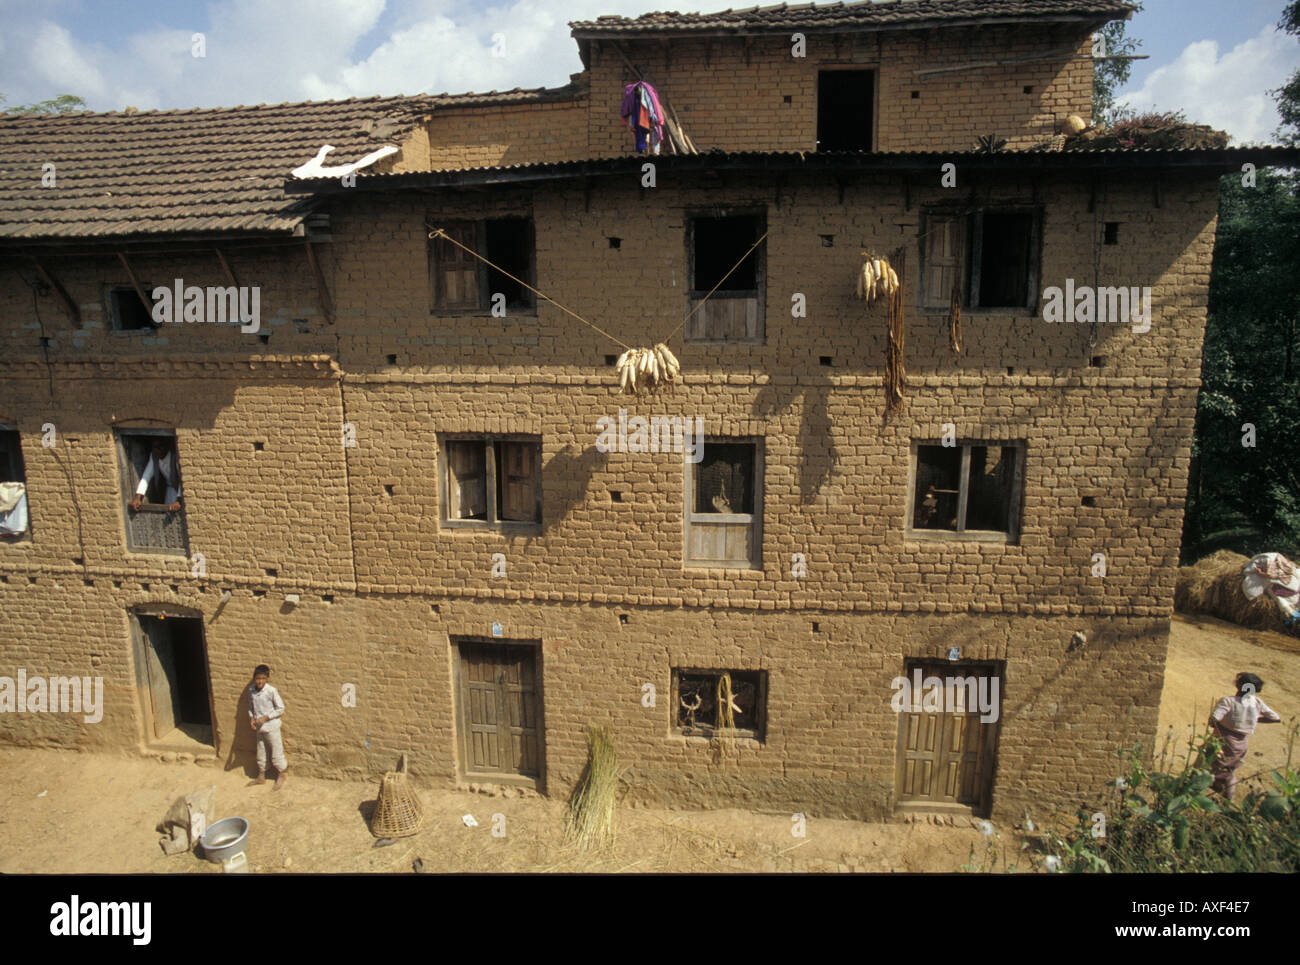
{"x": 225, "y": 839}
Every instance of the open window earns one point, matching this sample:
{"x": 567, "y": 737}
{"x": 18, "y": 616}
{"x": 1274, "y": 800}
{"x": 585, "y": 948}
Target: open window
{"x": 14, "y": 522}
{"x": 968, "y": 491}
{"x": 720, "y": 702}
{"x": 127, "y": 312}
{"x": 724, "y": 505}
{"x": 990, "y": 255}
{"x": 463, "y": 283}
{"x": 719, "y": 255}
{"x": 492, "y": 481}
{"x": 845, "y": 108}
{"x": 149, "y": 463}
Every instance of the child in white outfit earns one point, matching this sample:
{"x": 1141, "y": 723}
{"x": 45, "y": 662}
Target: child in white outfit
{"x": 265, "y": 708}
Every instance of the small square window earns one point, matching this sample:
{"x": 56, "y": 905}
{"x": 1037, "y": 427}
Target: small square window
{"x": 127, "y": 312}
{"x": 493, "y": 480}
{"x": 730, "y": 703}
{"x": 967, "y": 489}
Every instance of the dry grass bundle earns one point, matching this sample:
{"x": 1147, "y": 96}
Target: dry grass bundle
{"x": 895, "y": 373}
{"x": 1213, "y": 587}
{"x": 725, "y": 704}
{"x": 591, "y": 808}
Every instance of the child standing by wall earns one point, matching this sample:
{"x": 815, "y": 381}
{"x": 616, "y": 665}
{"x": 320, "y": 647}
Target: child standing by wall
{"x": 265, "y": 708}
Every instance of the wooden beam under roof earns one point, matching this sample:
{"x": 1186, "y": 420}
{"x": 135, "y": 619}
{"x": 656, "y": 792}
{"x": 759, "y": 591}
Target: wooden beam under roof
{"x": 68, "y": 304}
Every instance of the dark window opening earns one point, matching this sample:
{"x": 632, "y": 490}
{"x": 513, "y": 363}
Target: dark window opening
{"x": 724, "y": 479}
{"x": 13, "y": 485}
{"x": 727, "y": 701}
{"x": 176, "y": 676}
{"x": 719, "y": 244}
{"x": 129, "y": 314}
{"x": 509, "y": 244}
{"x": 844, "y": 110}
{"x": 1005, "y": 259}
{"x": 966, "y": 488}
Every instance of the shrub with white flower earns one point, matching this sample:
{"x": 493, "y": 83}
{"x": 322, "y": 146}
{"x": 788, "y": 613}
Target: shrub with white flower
{"x": 1052, "y": 863}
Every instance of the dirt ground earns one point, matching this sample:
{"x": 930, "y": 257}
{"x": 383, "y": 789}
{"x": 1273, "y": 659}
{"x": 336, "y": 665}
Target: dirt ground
{"x": 68, "y": 812}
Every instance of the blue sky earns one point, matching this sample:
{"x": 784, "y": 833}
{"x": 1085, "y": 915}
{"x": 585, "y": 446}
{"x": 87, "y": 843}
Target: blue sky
{"x": 1216, "y": 59}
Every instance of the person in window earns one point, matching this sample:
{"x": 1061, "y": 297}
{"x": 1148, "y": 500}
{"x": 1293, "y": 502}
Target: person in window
{"x": 161, "y": 473}
{"x": 1233, "y": 721}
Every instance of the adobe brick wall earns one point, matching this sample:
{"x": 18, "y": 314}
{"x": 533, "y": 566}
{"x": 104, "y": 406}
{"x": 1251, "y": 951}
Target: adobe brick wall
{"x": 835, "y": 484}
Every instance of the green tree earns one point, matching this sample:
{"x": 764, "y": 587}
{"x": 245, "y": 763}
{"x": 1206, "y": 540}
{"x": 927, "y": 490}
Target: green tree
{"x": 63, "y": 104}
{"x": 1110, "y": 75}
{"x": 1288, "y": 96}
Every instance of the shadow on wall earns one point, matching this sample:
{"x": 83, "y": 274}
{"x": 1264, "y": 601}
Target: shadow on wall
{"x": 816, "y": 445}
{"x": 243, "y": 745}
{"x": 575, "y": 467}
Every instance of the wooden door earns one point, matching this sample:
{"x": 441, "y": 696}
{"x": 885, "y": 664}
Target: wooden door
{"x": 500, "y": 709}
{"x": 162, "y": 675}
{"x": 947, "y": 757}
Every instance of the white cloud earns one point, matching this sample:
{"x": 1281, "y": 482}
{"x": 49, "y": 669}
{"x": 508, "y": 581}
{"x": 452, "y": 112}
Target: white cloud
{"x": 1228, "y": 92}
{"x": 53, "y": 56}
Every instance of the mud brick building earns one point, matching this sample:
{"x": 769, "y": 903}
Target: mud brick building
{"x": 395, "y": 497}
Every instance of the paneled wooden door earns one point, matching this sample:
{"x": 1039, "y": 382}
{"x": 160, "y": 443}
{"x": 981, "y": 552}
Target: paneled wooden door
{"x": 499, "y": 713}
{"x": 947, "y": 757}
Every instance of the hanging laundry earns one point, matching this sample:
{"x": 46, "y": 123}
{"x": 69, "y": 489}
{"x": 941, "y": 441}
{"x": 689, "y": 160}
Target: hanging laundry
{"x": 642, "y": 111}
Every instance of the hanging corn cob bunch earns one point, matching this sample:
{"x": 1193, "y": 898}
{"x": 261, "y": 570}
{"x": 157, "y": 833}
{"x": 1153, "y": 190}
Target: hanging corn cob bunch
{"x": 647, "y": 369}
{"x": 877, "y": 279}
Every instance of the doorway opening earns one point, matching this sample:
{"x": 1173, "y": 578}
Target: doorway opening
{"x": 172, "y": 678}
{"x": 499, "y": 710}
{"x": 845, "y": 103}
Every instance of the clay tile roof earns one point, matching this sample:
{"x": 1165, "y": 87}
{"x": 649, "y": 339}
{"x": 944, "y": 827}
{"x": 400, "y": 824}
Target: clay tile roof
{"x": 863, "y": 14}
{"x": 173, "y": 172}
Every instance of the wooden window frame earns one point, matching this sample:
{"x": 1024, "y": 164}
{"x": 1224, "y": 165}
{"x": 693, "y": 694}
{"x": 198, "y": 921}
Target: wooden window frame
{"x": 130, "y": 478}
{"x": 19, "y": 466}
{"x": 755, "y": 520}
{"x": 484, "y": 306}
{"x": 1010, "y": 537}
{"x": 758, "y": 733}
{"x": 970, "y": 251}
{"x": 693, "y": 294}
{"x": 114, "y": 317}
{"x": 490, "y": 442}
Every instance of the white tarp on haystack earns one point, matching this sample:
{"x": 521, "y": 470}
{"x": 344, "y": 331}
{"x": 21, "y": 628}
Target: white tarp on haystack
{"x": 1274, "y": 574}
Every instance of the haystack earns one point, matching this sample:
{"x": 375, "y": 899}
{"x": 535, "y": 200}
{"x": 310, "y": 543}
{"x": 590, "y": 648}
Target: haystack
{"x": 591, "y": 808}
{"x": 1213, "y": 587}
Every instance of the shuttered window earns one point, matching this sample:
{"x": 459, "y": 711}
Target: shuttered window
{"x": 455, "y": 271}
{"x": 724, "y": 502}
{"x": 493, "y": 481}
{"x": 967, "y": 491}
{"x": 992, "y": 255}
{"x": 943, "y": 245}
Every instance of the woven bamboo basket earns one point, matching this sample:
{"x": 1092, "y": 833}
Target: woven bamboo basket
{"x": 398, "y": 812}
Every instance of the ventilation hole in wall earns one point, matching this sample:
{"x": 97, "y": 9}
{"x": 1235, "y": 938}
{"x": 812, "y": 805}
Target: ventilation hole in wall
{"x": 300, "y": 326}
{"x": 175, "y": 588}
{"x": 392, "y": 359}
{"x": 89, "y": 582}
{"x": 828, "y": 241}
{"x": 1090, "y": 500}
{"x": 266, "y": 339}
{"x": 4, "y": 579}
{"x": 272, "y": 572}
{"x": 45, "y": 342}
{"x": 616, "y": 242}
{"x": 1112, "y": 233}
{"x": 615, "y": 496}
{"x": 1097, "y": 361}
{"x": 817, "y": 627}
{"x": 788, "y": 99}
{"x": 433, "y": 607}
{"x": 622, "y": 618}
{"x": 259, "y": 446}
{"x": 327, "y": 598}
{"x": 611, "y": 360}
{"x": 388, "y": 488}
{"x": 31, "y": 581}
{"x": 826, "y": 359}
{"x": 117, "y": 584}
{"x": 79, "y": 560}
{"x": 1029, "y": 88}
{"x": 1011, "y": 370}
{"x": 143, "y": 586}
{"x": 916, "y": 95}
{"x": 259, "y": 594}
